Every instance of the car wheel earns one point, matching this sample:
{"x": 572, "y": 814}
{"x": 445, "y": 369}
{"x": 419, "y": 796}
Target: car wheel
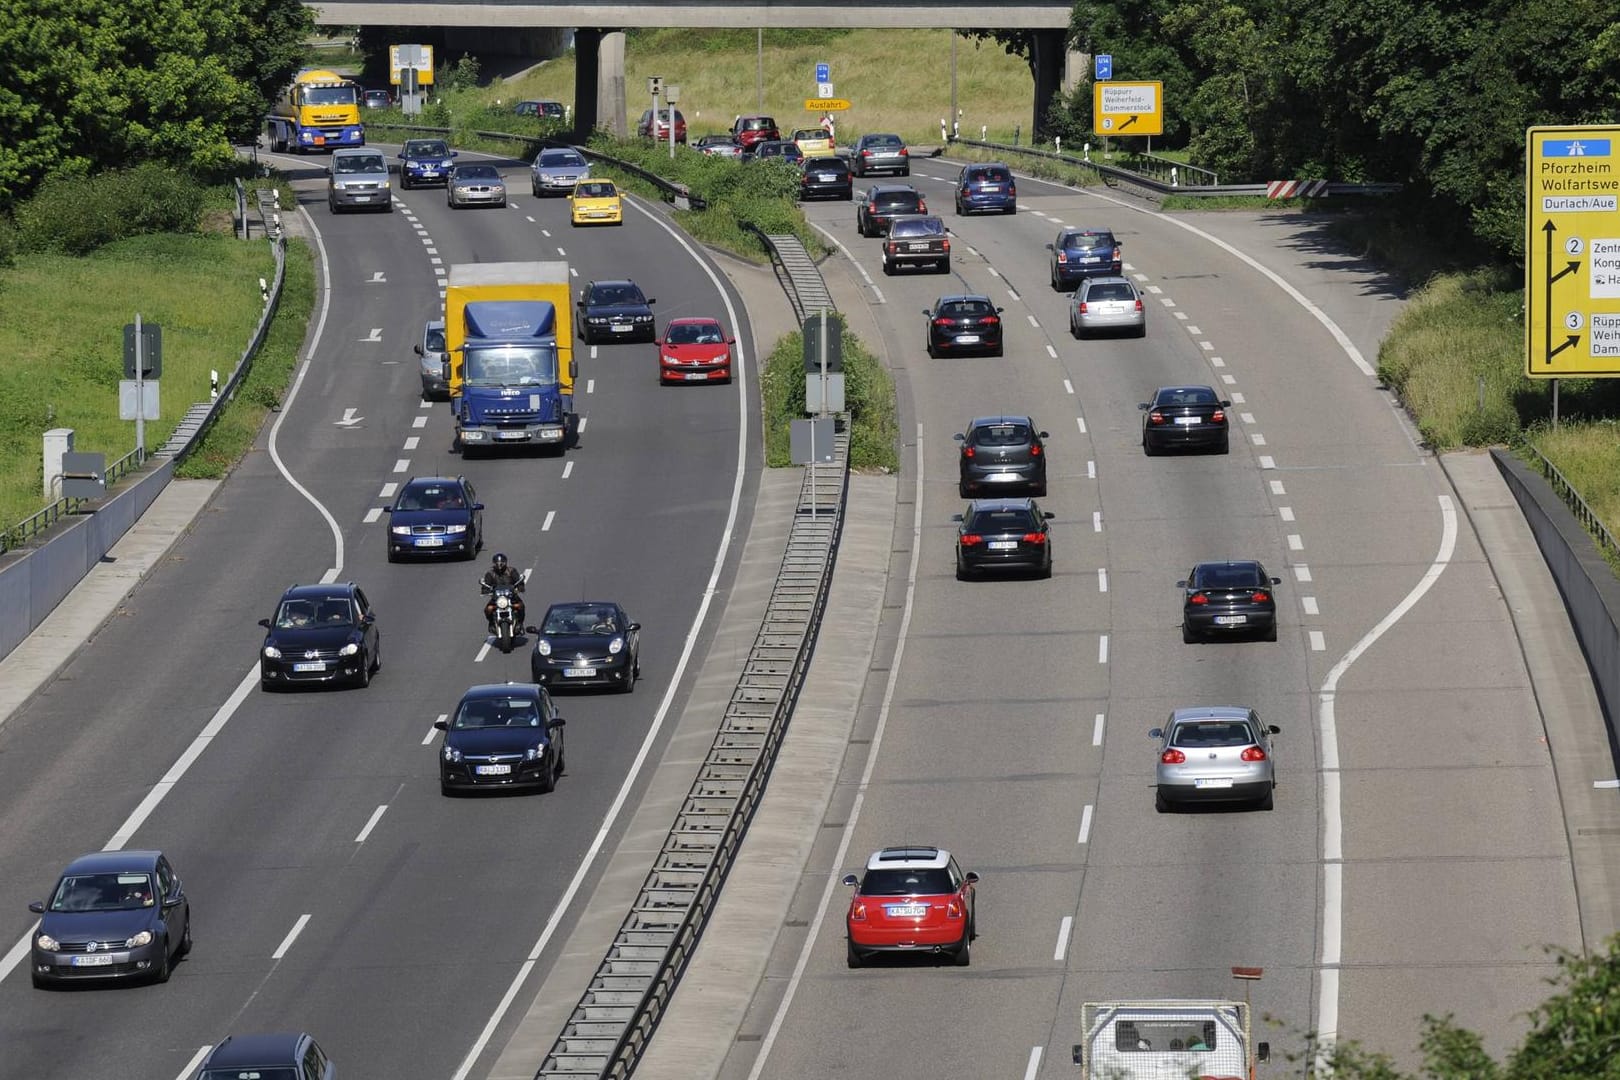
{"x": 962, "y": 573}
{"x": 944, "y": 266}
{"x": 887, "y": 269}
{"x": 376, "y": 660}
{"x": 185, "y": 941}
{"x": 548, "y": 782}
{"x": 906, "y": 171}
{"x": 1224, "y": 446}
{"x": 446, "y": 790}
{"x": 928, "y": 347}
{"x": 1162, "y": 804}
{"x": 999, "y": 350}
{"x": 1074, "y": 330}
{"x": 1148, "y": 449}
{"x": 160, "y": 974}
{"x": 1013, "y": 209}
{"x": 852, "y": 955}
{"x": 1141, "y": 331}
{"x": 963, "y": 490}
{"x": 1187, "y": 635}
{"x": 332, "y": 207}
{"x": 1270, "y": 634}
{"x": 1046, "y": 571}
{"x": 629, "y": 684}
{"x": 963, "y": 956}
{"x": 363, "y": 679}
{"x": 1039, "y": 491}
{"x": 1268, "y": 800}
{"x": 393, "y": 557}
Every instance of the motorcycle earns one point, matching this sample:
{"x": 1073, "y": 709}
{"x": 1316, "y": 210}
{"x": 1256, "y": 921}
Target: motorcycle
{"x": 504, "y": 615}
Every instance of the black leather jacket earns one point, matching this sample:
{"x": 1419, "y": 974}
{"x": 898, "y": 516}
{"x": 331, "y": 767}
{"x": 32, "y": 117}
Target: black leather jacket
{"x": 510, "y": 578}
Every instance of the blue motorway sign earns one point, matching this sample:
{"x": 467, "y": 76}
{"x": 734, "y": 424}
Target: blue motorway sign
{"x": 823, "y": 73}
{"x": 1105, "y": 66}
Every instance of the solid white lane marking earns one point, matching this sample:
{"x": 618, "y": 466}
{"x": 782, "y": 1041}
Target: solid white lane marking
{"x": 402, "y": 464}
{"x": 292, "y": 936}
{"x": 1091, "y": 470}
{"x": 1302, "y": 572}
{"x": 1258, "y": 439}
{"x": 1102, "y": 649}
{"x": 483, "y": 651}
{"x": 388, "y": 490}
{"x": 1266, "y": 462}
{"x": 1277, "y": 488}
{"x": 1102, "y": 579}
{"x": 1064, "y": 929}
{"x": 839, "y": 244}
{"x": 1033, "y": 323}
{"x": 1051, "y": 352}
{"x": 433, "y": 731}
{"x": 1327, "y": 1004}
{"x": 1068, "y": 387}
{"x": 412, "y": 443}
{"x": 1296, "y": 542}
{"x": 568, "y": 467}
{"x": 692, "y": 635}
{"x": 1034, "y": 1067}
{"x": 1286, "y": 513}
{"x": 1318, "y": 642}
{"x": 1097, "y": 730}
{"x": 590, "y": 386}
{"x": 1309, "y": 604}
{"x": 419, "y": 422}
{"x": 196, "y": 1060}
{"x": 371, "y": 823}
{"x": 372, "y": 515}
{"x": 551, "y": 515}
{"x": 848, "y": 834}
{"x": 1606, "y": 783}
{"x": 1085, "y": 825}
{"x": 1096, "y": 521}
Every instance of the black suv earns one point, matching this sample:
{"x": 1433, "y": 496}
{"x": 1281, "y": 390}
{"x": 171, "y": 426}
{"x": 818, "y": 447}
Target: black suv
{"x": 881, "y": 203}
{"x": 1082, "y": 253}
{"x": 825, "y": 176}
{"x": 615, "y": 311}
{"x": 320, "y": 634}
{"x": 1002, "y": 452}
{"x": 501, "y": 735}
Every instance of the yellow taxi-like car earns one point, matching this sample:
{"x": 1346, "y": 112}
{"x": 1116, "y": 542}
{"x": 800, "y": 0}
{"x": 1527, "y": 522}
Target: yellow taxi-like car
{"x": 814, "y": 142}
{"x": 595, "y": 202}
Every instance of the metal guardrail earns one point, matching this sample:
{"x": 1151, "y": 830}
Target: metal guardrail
{"x": 615, "y": 1018}
{"x": 1169, "y": 171}
{"x": 1577, "y": 505}
{"x": 797, "y": 272}
{"x": 1113, "y": 174}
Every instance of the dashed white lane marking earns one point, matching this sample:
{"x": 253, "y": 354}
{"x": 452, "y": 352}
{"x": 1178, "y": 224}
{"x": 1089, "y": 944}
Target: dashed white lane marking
{"x": 292, "y": 936}
{"x": 372, "y": 515}
{"x": 196, "y": 1060}
{"x": 1085, "y": 824}
{"x": 433, "y": 731}
{"x": 1102, "y": 579}
{"x": 1097, "y": 730}
{"x": 1180, "y": 315}
{"x": 1064, "y": 929}
{"x": 1309, "y": 604}
{"x": 438, "y": 271}
{"x": 375, "y": 336}
{"x": 1277, "y": 488}
{"x": 1302, "y": 572}
{"x": 1318, "y": 642}
{"x": 1238, "y": 399}
{"x": 973, "y": 251}
{"x": 1296, "y": 542}
{"x": 1096, "y": 521}
{"x": 1166, "y": 301}
{"x": 529, "y": 218}
{"x": 582, "y": 422}
{"x": 377, "y": 278}
{"x": 371, "y": 823}
{"x": 412, "y": 443}
{"x": 1102, "y": 649}
{"x": 1258, "y": 439}
{"x": 1091, "y": 470}
{"x": 1051, "y": 352}
{"x": 1154, "y": 289}
{"x": 388, "y": 490}
{"x": 427, "y": 241}
{"x": 1247, "y": 418}
{"x": 1266, "y": 462}
{"x": 1082, "y": 422}
{"x": 424, "y": 404}
{"x": 1012, "y": 294}
{"x": 402, "y": 464}
{"x": 482, "y": 652}
{"x": 1068, "y": 387}
{"x": 431, "y": 250}
{"x": 1193, "y": 330}
{"x": 993, "y": 271}
{"x": 419, "y": 421}
{"x": 1214, "y": 361}
{"x": 1207, "y": 346}
{"x": 551, "y": 515}
{"x": 590, "y": 386}
{"x": 436, "y": 261}
{"x": 546, "y": 233}
{"x": 1228, "y": 380}
{"x": 1034, "y": 323}
{"x": 568, "y": 467}
{"x": 1286, "y": 513}
{"x": 1139, "y": 276}
{"x": 1034, "y": 1067}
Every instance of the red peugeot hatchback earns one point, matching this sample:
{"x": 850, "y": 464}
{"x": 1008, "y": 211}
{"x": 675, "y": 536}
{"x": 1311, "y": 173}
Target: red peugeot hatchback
{"x": 912, "y": 899}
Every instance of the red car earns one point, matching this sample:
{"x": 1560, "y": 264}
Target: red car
{"x": 655, "y": 126}
{"x": 912, "y": 899}
{"x": 694, "y": 350}
{"x": 749, "y": 130}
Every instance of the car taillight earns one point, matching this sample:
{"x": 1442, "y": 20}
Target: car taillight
{"x": 1012, "y": 189}
{"x": 1081, "y": 307}
{"x": 1116, "y": 255}
{"x": 967, "y": 451}
{"x": 1217, "y": 417}
{"x": 1063, "y": 258}
{"x": 922, "y": 206}
{"x": 990, "y": 320}
{"x": 947, "y": 243}
{"x": 1035, "y": 451}
{"x": 1173, "y": 757}
{"x": 1139, "y": 307}
{"x": 904, "y": 152}
{"x": 857, "y": 912}
{"x": 942, "y": 321}
{"x": 953, "y": 910}
{"x": 1261, "y": 597}
{"x": 1034, "y": 538}
{"x": 891, "y": 247}
{"x": 971, "y": 539}
{"x": 1155, "y": 417}
{"x": 1197, "y": 598}
{"x": 866, "y": 153}
{"x": 1253, "y": 753}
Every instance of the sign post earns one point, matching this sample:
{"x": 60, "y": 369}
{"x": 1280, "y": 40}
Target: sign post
{"x": 671, "y": 96}
{"x": 143, "y": 365}
{"x": 410, "y": 67}
{"x": 1572, "y": 253}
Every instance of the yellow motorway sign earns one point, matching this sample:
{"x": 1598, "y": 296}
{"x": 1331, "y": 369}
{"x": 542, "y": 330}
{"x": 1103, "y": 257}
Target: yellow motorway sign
{"x": 1572, "y": 252}
{"x": 826, "y": 104}
{"x": 404, "y": 57}
{"x": 1127, "y": 108}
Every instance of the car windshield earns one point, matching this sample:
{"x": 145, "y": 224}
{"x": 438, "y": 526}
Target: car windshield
{"x": 255, "y": 1073}
{"x": 827, "y": 164}
{"x": 427, "y": 148}
{"x": 1228, "y": 576}
{"x": 551, "y": 108}
{"x": 581, "y": 619}
{"x": 957, "y": 309}
{"x": 1212, "y": 733}
{"x": 595, "y": 189}
{"x": 695, "y": 334}
{"x": 758, "y": 123}
{"x": 918, "y": 227}
{"x": 329, "y": 95}
{"x": 360, "y": 163}
{"x": 1188, "y": 395}
{"x": 880, "y": 140}
{"x": 374, "y": 96}
{"x": 477, "y": 172}
{"x": 433, "y": 340}
{"x": 1002, "y": 521}
{"x": 104, "y": 892}
{"x": 431, "y": 497}
{"x": 1110, "y": 290}
{"x": 907, "y": 882}
{"x": 560, "y": 159}
{"x": 1001, "y": 435}
{"x": 496, "y": 712}
{"x": 528, "y": 365}
{"x": 616, "y": 294}
{"x": 810, "y": 133}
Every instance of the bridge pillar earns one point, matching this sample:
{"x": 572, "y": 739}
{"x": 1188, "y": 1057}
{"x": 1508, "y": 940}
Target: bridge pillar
{"x": 1076, "y": 69}
{"x": 610, "y": 84}
{"x": 1048, "y": 55}
{"x": 587, "y": 43}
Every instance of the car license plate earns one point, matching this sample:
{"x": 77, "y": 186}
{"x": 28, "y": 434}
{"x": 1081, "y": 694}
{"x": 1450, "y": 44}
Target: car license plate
{"x": 917, "y": 247}
{"x": 579, "y": 672}
{"x": 1186, "y": 420}
{"x": 968, "y": 339}
{"x": 362, "y": 198}
{"x": 493, "y": 770}
{"x": 1213, "y": 782}
{"x": 511, "y": 434}
{"x": 621, "y": 328}
{"x": 1003, "y": 545}
{"x": 696, "y": 376}
{"x": 101, "y": 960}
{"x": 826, "y": 177}
{"x": 1231, "y": 620}
{"x": 1089, "y": 259}
{"x": 430, "y": 173}
{"x": 905, "y": 911}
{"x": 316, "y": 665}
{"x": 429, "y": 541}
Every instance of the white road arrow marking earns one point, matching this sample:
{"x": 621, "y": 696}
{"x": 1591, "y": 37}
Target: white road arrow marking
{"x": 376, "y": 335}
{"x": 349, "y": 419}
{"x": 377, "y": 278}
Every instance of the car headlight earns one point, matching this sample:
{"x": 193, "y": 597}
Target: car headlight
{"x": 400, "y": 530}
{"x": 644, "y": 318}
{"x": 455, "y": 528}
{"x": 451, "y": 754}
{"x": 142, "y": 938}
{"x": 349, "y": 650}
{"x": 46, "y": 943}
{"x": 413, "y": 165}
{"x": 272, "y": 653}
{"x": 543, "y": 647}
{"x": 535, "y": 753}
{"x": 615, "y": 645}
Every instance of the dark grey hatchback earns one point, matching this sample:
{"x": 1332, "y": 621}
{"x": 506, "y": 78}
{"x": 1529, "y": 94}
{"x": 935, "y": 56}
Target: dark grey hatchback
{"x": 1003, "y": 534}
{"x": 267, "y": 1057}
{"x": 1228, "y": 597}
{"x": 112, "y": 915}
{"x": 1001, "y": 452}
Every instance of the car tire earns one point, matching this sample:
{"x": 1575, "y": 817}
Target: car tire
{"x": 928, "y": 347}
{"x": 376, "y": 659}
{"x": 1148, "y": 449}
{"x": 446, "y": 790}
{"x": 363, "y": 679}
{"x": 1267, "y": 801}
{"x": 393, "y": 557}
{"x": 1270, "y": 634}
{"x": 963, "y": 956}
{"x": 548, "y": 783}
{"x": 906, "y": 171}
{"x": 962, "y": 573}
{"x": 332, "y": 207}
{"x": 887, "y": 269}
{"x": 999, "y": 350}
{"x": 1224, "y": 446}
{"x": 852, "y": 955}
{"x": 963, "y": 490}
{"x": 160, "y": 974}
{"x": 1046, "y": 571}
{"x": 1039, "y": 490}
{"x": 41, "y": 984}
{"x": 1188, "y": 637}
{"x": 1141, "y": 331}
{"x": 1162, "y": 804}
{"x": 629, "y": 684}
{"x": 1013, "y": 209}
{"x": 185, "y": 941}
{"x": 944, "y": 266}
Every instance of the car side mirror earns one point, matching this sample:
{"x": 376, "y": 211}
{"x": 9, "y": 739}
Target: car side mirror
{"x": 959, "y": 437}
{"x": 731, "y": 341}
{"x": 386, "y": 510}
{"x": 1045, "y": 435}
{"x": 400, "y": 155}
{"x": 477, "y": 506}
{"x": 367, "y": 619}
{"x": 999, "y": 310}
{"x": 442, "y": 725}
{"x": 417, "y": 349}
{"x": 1262, "y": 1052}
{"x": 1226, "y": 404}
{"x": 1181, "y": 584}
{"x": 659, "y": 342}
{"x": 1156, "y": 733}
{"x": 455, "y": 153}
{"x": 173, "y": 901}
{"x": 971, "y": 878}
{"x": 1276, "y": 581}
{"x": 38, "y": 907}
{"x": 1079, "y": 1054}
{"x": 925, "y": 311}
{"x": 557, "y": 723}
{"x": 1049, "y": 247}
{"x": 956, "y": 517}
{"x": 1273, "y": 729}
{"x": 573, "y": 369}
{"x": 1047, "y": 515}
{"x": 634, "y": 627}
{"x": 849, "y": 879}
{"x": 1144, "y": 406}
{"x": 651, "y": 301}
{"x": 265, "y": 623}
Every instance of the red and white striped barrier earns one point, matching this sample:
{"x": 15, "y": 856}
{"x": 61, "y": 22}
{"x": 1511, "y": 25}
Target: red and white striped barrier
{"x": 1296, "y": 189}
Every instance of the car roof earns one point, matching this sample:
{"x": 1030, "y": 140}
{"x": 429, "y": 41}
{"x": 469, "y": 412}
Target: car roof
{"x": 325, "y": 591}
{"x": 885, "y": 189}
{"x": 1006, "y": 418}
{"x": 1186, "y": 386}
{"x": 506, "y": 689}
{"x": 908, "y": 858}
{"x": 613, "y": 281}
{"x": 954, "y": 297}
{"x": 695, "y": 320}
{"x": 1107, "y": 279}
{"x": 113, "y": 861}
{"x": 880, "y": 135}
{"x": 985, "y": 166}
{"x": 435, "y": 324}
{"x": 424, "y": 480}
{"x": 255, "y": 1050}
{"x": 1209, "y": 712}
{"x": 1249, "y": 563}
{"x": 1000, "y": 504}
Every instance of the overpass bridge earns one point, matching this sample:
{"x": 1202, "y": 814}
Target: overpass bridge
{"x": 599, "y": 94}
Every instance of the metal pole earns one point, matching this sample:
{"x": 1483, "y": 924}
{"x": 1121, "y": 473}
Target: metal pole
{"x": 140, "y": 394}
{"x": 1555, "y": 404}
{"x": 671, "y": 130}
{"x": 955, "y": 116}
{"x": 759, "y": 74}
{"x": 824, "y": 362}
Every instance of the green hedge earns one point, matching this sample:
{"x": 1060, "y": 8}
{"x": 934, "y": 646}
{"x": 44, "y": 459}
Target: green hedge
{"x": 74, "y": 215}
{"x": 868, "y": 398}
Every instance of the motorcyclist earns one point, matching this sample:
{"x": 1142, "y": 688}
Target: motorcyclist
{"x": 503, "y": 575}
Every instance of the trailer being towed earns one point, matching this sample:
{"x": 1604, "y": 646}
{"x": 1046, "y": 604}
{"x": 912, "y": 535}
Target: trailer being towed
{"x": 1168, "y": 1040}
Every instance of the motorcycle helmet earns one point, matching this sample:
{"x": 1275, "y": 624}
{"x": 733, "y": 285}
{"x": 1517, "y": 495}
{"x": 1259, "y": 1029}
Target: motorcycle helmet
{"x": 500, "y": 560}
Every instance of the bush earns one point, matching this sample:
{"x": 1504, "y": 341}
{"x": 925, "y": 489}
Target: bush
{"x": 74, "y": 215}
{"x": 868, "y": 398}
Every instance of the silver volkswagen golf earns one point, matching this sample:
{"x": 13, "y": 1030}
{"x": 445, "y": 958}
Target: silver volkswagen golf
{"x": 1214, "y": 753}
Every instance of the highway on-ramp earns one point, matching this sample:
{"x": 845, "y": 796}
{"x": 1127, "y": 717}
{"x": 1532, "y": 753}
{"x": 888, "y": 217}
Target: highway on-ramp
{"x": 334, "y": 889}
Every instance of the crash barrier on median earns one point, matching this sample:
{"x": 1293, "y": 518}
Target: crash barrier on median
{"x": 1570, "y": 536}
{"x": 614, "y": 1020}
{"x": 1158, "y": 185}
{"x": 32, "y": 586}
{"x": 797, "y": 272}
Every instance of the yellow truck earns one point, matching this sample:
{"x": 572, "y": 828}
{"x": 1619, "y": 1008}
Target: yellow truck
{"x": 509, "y": 337}
{"x": 319, "y": 111}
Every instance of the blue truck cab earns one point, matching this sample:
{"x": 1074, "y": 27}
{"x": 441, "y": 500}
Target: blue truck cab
{"x": 513, "y": 391}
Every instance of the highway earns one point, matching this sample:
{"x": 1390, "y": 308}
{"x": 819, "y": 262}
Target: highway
{"x": 334, "y": 889}
{"x": 1416, "y": 859}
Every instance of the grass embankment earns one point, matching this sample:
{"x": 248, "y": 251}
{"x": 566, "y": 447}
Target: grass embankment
{"x": 868, "y": 398}
{"x": 61, "y": 334}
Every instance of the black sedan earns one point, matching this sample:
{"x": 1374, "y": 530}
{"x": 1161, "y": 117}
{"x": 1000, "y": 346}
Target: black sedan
{"x": 964, "y": 324}
{"x": 320, "y": 634}
{"x": 1001, "y": 452}
{"x": 1190, "y": 417}
{"x": 435, "y": 515}
{"x": 825, "y": 176}
{"x": 587, "y": 643}
{"x": 1228, "y": 598}
{"x": 113, "y": 915}
{"x": 615, "y": 311}
{"x": 1003, "y": 534}
{"x": 502, "y": 735}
